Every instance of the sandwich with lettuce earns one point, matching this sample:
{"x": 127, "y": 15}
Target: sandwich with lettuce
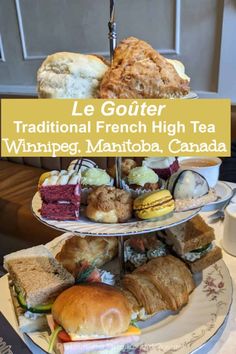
{"x": 36, "y": 278}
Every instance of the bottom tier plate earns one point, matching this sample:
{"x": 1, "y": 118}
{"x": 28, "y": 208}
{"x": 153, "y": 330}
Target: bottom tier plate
{"x": 167, "y": 332}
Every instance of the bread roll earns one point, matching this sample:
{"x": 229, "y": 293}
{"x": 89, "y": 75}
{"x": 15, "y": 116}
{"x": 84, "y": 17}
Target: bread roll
{"x": 70, "y": 75}
{"x": 92, "y": 309}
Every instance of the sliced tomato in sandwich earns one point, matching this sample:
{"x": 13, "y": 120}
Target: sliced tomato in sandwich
{"x": 64, "y": 337}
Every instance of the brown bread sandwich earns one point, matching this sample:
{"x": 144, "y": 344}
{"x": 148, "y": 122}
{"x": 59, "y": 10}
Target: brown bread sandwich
{"x": 193, "y": 242}
{"x": 35, "y": 280}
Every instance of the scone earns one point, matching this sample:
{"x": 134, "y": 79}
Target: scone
{"x": 139, "y": 71}
{"x": 109, "y": 205}
{"x": 70, "y": 75}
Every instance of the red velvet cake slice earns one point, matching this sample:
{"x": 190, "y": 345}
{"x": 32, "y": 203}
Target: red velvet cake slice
{"x": 60, "y": 194}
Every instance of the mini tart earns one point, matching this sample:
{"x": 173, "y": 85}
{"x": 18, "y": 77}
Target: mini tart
{"x": 154, "y": 204}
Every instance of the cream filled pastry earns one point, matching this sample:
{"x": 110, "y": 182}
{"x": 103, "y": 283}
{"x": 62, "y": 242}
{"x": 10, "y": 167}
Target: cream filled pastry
{"x": 109, "y": 205}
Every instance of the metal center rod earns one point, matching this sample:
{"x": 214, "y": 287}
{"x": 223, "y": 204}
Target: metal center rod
{"x": 112, "y": 29}
{"x": 112, "y": 42}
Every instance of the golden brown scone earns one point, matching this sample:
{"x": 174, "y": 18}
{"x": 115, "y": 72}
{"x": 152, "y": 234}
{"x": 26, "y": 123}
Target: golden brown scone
{"x": 109, "y": 205}
{"x": 94, "y": 250}
{"x": 126, "y": 166}
{"x": 139, "y": 71}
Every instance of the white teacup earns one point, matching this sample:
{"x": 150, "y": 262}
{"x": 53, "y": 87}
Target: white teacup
{"x": 208, "y": 167}
{"x": 229, "y": 235}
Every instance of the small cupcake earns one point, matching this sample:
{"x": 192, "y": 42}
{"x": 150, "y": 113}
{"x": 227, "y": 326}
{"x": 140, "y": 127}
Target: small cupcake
{"x": 163, "y": 166}
{"x": 142, "y": 180}
{"x": 92, "y": 178}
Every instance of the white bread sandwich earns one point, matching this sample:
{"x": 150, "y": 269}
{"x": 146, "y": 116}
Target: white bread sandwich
{"x": 193, "y": 241}
{"x": 35, "y": 280}
{"x": 70, "y": 75}
{"x": 85, "y": 314}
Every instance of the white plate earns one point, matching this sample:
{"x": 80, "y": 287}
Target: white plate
{"x": 191, "y": 96}
{"x": 223, "y": 192}
{"x": 168, "y": 332}
{"x": 86, "y": 227}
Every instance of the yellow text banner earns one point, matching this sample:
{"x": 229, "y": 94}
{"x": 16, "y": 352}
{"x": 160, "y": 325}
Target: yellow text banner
{"x": 50, "y": 127}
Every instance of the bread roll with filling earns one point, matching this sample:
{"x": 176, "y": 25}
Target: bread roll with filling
{"x": 92, "y": 309}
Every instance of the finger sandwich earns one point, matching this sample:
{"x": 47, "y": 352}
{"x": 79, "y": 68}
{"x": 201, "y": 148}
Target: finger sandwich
{"x": 193, "y": 242}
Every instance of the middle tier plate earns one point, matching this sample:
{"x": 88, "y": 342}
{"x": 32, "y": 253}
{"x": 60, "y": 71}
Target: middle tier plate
{"x": 89, "y": 228}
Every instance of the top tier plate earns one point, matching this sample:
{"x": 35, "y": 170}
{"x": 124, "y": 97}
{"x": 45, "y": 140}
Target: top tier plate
{"x": 191, "y": 96}
{"x": 86, "y": 227}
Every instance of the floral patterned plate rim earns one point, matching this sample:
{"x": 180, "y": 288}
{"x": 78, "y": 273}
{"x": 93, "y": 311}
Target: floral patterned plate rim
{"x": 182, "y": 333}
{"x": 86, "y": 227}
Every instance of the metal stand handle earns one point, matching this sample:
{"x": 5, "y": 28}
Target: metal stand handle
{"x": 121, "y": 238}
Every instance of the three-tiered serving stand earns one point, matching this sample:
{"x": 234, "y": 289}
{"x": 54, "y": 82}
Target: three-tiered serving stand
{"x": 209, "y": 316}
{"x": 84, "y": 227}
